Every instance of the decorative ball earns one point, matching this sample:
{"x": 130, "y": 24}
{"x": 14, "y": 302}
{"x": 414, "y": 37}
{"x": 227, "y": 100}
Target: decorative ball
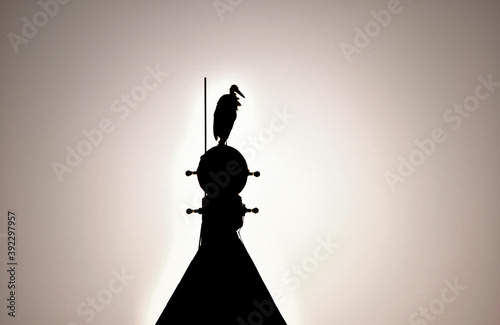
{"x": 222, "y": 171}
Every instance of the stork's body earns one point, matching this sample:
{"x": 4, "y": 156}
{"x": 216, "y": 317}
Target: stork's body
{"x": 225, "y": 114}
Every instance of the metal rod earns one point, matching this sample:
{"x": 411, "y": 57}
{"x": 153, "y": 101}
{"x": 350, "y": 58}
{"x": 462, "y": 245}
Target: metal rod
{"x": 205, "y": 91}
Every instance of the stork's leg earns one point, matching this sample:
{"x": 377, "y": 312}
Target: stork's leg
{"x": 222, "y": 141}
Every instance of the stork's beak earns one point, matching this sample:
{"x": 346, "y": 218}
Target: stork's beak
{"x": 239, "y": 93}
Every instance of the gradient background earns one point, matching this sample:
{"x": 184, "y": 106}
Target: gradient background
{"x": 323, "y": 173}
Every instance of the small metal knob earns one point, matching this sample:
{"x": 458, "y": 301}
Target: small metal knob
{"x": 189, "y": 172}
{"x": 254, "y": 210}
{"x": 256, "y": 174}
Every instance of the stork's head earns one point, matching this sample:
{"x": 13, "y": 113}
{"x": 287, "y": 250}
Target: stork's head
{"x": 234, "y": 89}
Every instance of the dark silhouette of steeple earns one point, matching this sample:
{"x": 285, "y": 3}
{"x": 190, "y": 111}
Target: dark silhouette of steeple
{"x": 221, "y": 284}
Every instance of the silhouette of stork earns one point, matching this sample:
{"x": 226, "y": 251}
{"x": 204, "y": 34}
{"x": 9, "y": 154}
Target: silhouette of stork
{"x": 225, "y": 114}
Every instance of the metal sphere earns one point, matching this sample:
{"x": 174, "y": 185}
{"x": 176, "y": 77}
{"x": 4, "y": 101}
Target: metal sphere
{"x": 222, "y": 171}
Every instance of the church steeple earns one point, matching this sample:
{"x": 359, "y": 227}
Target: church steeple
{"x": 221, "y": 285}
